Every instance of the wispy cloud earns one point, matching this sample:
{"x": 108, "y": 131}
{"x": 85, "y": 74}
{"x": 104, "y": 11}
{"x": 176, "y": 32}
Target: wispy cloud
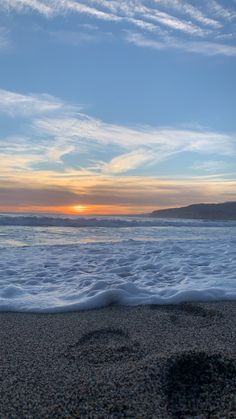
{"x": 56, "y": 134}
{"x": 4, "y": 39}
{"x": 167, "y": 140}
{"x": 128, "y": 162}
{"x": 54, "y": 129}
{"x": 210, "y": 166}
{"x": 23, "y": 154}
{"x": 200, "y": 47}
{"x": 175, "y": 24}
{"x": 221, "y": 11}
{"x": 82, "y": 8}
{"x": 13, "y": 103}
{"x": 39, "y": 6}
{"x": 191, "y": 11}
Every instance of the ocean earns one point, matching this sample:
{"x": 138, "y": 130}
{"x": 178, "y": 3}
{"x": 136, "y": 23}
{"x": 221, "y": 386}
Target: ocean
{"x": 59, "y": 263}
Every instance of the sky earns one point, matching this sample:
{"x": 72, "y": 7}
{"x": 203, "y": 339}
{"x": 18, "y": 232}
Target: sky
{"x": 116, "y": 107}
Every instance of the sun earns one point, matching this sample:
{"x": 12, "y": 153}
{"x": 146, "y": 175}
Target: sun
{"x": 79, "y": 208}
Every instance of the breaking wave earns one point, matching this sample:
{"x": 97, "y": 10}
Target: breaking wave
{"x": 59, "y": 278}
{"x": 108, "y": 222}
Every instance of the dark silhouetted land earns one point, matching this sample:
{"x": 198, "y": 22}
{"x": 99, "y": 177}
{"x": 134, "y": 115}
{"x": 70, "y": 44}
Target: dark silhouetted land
{"x": 224, "y": 211}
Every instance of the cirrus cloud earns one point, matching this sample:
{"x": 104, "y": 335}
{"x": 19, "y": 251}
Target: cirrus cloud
{"x": 175, "y": 24}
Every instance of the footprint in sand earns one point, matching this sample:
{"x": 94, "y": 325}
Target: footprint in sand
{"x": 199, "y": 385}
{"x": 190, "y": 312}
{"x": 104, "y": 346}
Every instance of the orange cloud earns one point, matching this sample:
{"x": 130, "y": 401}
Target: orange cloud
{"x": 71, "y": 194}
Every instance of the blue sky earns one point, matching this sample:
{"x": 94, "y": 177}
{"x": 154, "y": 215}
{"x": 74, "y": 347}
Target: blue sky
{"x": 116, "y": 106}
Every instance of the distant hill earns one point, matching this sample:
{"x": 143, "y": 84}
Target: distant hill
{"x": 224, "y": 211}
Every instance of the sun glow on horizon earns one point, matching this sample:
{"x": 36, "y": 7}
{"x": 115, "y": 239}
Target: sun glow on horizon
{"x": 87, "y": 210}
{"x": 102, "y": 210}
{"x": 75, "y": 209}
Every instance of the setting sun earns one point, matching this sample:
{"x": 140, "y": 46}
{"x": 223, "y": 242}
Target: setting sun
{"x": 78, "y": 208}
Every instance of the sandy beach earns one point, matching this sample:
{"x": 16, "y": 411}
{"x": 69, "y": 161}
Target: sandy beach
{"x": 165, "y": 362}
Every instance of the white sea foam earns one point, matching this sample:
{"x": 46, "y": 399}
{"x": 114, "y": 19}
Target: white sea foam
{"x": 50, "y": 269}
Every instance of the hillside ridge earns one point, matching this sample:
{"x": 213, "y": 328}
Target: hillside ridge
{"x": 221, "y": 211}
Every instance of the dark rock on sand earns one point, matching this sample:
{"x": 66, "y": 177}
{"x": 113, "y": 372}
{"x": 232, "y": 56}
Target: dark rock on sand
{"x": 200, "y": 385}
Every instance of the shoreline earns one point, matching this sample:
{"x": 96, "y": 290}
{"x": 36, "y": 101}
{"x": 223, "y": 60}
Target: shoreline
{"x": 164, "y": 361}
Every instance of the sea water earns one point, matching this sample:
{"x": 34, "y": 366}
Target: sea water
{"x": 57, "y": 264}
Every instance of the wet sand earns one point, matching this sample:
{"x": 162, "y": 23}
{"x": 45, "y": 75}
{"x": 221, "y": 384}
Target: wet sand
{"x": 135, "y": 362}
